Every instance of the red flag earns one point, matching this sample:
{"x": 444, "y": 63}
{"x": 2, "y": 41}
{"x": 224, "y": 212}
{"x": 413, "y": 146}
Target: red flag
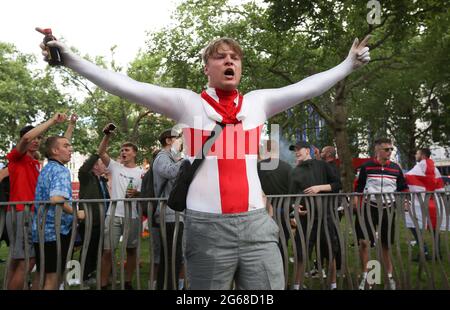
{"x": 425, "y": 177}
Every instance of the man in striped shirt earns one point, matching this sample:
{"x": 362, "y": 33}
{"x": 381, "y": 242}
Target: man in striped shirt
{"x": 379, "y": 175}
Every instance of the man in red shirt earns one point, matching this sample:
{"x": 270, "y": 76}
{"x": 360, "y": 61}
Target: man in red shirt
{"x": 24, "y": 167}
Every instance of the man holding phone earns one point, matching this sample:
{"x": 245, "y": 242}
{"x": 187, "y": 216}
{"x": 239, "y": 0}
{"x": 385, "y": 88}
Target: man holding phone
{"x": 122, "y": 175}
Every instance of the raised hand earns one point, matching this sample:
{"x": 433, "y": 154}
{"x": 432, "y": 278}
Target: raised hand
{"x": 109, "y": 129}
{"x": 61, "y": 46}
{"x": 73, "y": 118}
{"x": 359, "y": 53}
{"x": 59, "y": 118}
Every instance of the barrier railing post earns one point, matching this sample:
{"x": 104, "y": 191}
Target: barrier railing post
{"x": 25, "y": 230}
{"x": 150, "y": 215}
{"x": 102, "y": 214}
{"x": 112, "y": 245}
{"x": 2, "y": 228}
{"x": 322, "y": 210}
{"x": 126, "y": 234}
{"x": 162, "y": 217}
{"x": 138, "y": 246}
{"x": 88, "y": 226}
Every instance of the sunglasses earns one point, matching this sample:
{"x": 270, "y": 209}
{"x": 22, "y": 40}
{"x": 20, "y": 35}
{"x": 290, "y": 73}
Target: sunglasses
{"x": 388, "y": 149}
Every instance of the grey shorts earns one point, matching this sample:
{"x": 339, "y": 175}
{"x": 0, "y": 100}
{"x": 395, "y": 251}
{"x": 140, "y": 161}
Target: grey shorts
{"x": 118, "y": 226}
{"x": 18, "y": 248}
{"x": 222, "y": 248}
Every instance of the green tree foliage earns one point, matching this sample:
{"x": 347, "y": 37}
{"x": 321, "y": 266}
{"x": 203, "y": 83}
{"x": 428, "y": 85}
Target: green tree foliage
{"x": 26, "y": 95}
{"x": 391, "y": 96}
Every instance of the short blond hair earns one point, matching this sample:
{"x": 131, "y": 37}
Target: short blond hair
{"x": 214, "y": 45}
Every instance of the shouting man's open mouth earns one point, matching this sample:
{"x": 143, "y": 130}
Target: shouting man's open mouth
{"x": 229, "y": 73}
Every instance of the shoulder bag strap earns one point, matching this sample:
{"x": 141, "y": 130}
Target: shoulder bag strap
{"x": 206, "y": 148}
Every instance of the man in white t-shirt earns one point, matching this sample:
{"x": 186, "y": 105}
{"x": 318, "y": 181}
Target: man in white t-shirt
{"x": 124, "y": 175}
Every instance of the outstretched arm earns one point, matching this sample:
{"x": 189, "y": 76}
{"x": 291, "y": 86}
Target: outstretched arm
{"x": 168, "y": 101}
{"x": 102, "y": 148}
{"x": 28, "y": 138}
{"x": 70, "y": 128}
{"x": 278, "y": 100}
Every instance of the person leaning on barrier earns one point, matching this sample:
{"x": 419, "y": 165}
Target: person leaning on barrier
{"x": 226, "y": 188}
{"x": 311, "y": 177}
{"x": 425, "y": 177}
{"x": 123, "y": 175}
{"x": 165, "y": 169}
{"x": 23, "y": 169}
{"x": 54, "y": 184}
{"x": 328, "y": 154}
{"x": 378, "y": 175}
{"x": 275, "y": 181}
{"x": 93, "y": 185}
{"x": 148, "y": 191}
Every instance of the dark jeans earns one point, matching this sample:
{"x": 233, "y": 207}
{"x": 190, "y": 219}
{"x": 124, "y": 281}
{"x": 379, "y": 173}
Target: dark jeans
{"x": 91, "y": 256}
{"x": 324, "y": 243}
{"x": 286, "y": 228}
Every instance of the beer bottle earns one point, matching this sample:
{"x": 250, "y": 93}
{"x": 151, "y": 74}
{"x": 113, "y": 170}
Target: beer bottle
{"x": 130, "y": 186}
{"x": 54, "y": 54}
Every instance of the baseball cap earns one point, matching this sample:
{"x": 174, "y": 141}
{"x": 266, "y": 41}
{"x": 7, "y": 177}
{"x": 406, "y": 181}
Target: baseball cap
{"x": 299, "y": 145}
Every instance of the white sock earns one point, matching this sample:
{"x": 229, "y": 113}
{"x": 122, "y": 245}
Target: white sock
{"x": 180, "y": 284}
{"x": 333, "y": 285}
{"x": 296, "y": 286}
{"x": 364, "y": 275}
{"x": 390, "y": 275}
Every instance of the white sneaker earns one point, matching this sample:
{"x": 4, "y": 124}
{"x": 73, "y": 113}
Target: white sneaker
{"x": 392, "y": 285}
{"x": 313, "y": 273}
{"x": 73, "y": 282}
{"x": 91, "y": 282}
{"x": 362, "y": 285}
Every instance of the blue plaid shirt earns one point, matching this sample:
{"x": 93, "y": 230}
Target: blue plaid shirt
{"x": 54, "y": 180}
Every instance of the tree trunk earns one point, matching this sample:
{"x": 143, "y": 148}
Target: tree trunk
{"x": 342, "y": 139}
{"x": 411, "y": 151}
{"x": 411, "y": 144}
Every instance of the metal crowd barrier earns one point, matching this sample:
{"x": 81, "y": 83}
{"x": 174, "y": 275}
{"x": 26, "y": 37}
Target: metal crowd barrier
{"x": 329, "y": 212}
